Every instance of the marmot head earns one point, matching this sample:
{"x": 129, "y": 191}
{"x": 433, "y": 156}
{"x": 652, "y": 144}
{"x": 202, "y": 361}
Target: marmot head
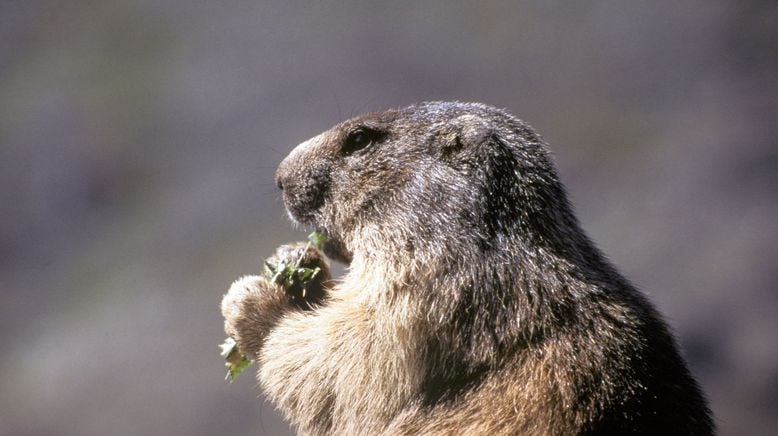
{"x": 430, "y": 178}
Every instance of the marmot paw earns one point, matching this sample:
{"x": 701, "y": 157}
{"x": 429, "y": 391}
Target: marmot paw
{"x": 251, "y": 308}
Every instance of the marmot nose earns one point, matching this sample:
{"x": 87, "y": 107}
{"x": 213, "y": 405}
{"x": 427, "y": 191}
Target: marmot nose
{"x": 279, "y": 182}
{"x": 283, "y": 174}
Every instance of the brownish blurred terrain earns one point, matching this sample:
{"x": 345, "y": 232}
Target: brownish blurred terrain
{"x": 138, "y": 141}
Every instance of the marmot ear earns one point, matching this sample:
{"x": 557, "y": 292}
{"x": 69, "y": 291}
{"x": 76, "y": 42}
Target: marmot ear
{"x": 465, "y": 134}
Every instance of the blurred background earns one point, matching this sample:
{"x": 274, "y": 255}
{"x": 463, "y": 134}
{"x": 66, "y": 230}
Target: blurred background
{"x": 138, "y": 142}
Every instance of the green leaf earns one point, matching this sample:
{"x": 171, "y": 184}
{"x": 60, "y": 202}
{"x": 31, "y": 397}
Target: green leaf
{"x": 236, "y": 361}
{"x": 304, "y": 274}
{"x": 279, "y": 273}
{"x": 317, "y": 239}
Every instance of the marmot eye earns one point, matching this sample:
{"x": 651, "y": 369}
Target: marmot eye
{"x": 357, "y": 140}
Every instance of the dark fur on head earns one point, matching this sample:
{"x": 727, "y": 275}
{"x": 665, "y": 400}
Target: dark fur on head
{"x": 474, "y": 303}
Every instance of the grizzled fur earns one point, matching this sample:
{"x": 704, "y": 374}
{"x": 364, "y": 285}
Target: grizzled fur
{"x": 473, "y": 301}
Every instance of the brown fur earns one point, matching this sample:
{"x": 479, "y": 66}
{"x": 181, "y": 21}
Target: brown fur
{"x": 473, "y": 301}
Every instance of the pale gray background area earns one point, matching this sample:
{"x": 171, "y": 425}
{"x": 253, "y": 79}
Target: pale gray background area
{"x": 138, "y": 141}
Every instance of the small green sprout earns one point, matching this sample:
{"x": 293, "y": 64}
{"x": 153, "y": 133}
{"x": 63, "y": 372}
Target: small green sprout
{"x": 236, "y": 362}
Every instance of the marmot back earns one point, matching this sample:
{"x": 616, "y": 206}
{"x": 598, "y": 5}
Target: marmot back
{"x": 473, "y": 302}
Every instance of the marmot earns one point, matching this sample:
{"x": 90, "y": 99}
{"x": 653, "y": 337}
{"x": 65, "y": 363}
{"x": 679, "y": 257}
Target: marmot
{"x": 473, "y": 302}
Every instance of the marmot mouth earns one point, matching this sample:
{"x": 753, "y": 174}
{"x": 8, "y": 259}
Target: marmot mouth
{"x": 303, "y": 201}
{"x": 333, "y": 246}
{"x": 335, "y": 249}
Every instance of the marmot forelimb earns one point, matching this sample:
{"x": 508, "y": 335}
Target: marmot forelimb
{"x": 473, "y": 302}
